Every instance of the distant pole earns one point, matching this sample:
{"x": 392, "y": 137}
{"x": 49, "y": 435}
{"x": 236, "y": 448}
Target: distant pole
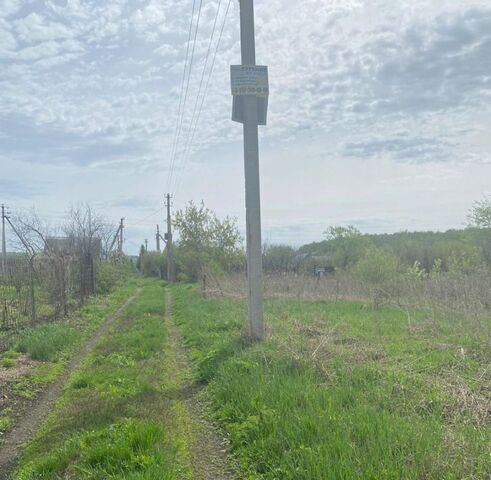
{"x": 4, "y": 245}
{"x": 169, "y": 246}
{"x": 157, "y": 238}
{"x": 252, "y": 186}
{"x": 120, "y": 241}
{"x": 146, "y": 245}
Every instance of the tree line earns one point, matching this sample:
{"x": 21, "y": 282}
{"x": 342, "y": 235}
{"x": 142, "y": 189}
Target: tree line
{"x": 207, "y": 244}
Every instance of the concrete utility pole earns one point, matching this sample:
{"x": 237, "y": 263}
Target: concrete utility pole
{"x": 4, "y": 244}
{"x": 157, "y": 239}
{"x": 252, "y": 186}
{"x": 171, "y": 272}
{"x": 120, "y": 239}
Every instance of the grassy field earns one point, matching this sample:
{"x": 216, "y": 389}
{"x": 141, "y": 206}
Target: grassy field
{"x": 119, "y": 417}
{"x": 50, "y": 346}
{"x": 342, "y": 391}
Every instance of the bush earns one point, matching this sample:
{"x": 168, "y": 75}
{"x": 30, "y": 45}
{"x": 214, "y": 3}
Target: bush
{"x": 110, "y": 274}
{"x": 153, "y": 264}
{"x": 46, "y": 342}
{"x": 380, "y": 276}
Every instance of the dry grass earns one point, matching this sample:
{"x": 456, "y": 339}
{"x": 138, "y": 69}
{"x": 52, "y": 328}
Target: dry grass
{"x": 465, "y": 299}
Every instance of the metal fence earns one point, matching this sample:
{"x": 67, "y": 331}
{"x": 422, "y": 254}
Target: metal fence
{"x": 41, "y": 288}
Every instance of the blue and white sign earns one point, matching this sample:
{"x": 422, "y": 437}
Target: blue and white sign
{"x": 249, "y": 80}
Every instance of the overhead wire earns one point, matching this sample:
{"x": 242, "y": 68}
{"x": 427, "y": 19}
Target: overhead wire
{"x": 183, "y": 110}
{"x": 181, "y": 96}
{"x": 143, "y": 220}
{"x": 205, "y": 64}
{"x": 210, "y": 73}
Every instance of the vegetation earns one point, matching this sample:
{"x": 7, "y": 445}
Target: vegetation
{"x": 118, "y": 418}
{"x": 45, "y": 342}
{"x": 53, "y": 275}
{"x": 278, "y": 258}
{"x": 480, "y": 214}
{"x": 206, "y": 243}
{"x": 53, "y": 344}
{"x": 342, "y": 391}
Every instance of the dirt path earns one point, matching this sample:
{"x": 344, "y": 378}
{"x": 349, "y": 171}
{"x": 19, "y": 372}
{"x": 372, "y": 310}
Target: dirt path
{"x": 210, "y": 459}
{"x": 21, "y": 433}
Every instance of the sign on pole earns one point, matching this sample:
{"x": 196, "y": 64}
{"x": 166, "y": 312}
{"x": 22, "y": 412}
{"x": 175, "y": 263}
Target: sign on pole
{"x": 249, "y": 80}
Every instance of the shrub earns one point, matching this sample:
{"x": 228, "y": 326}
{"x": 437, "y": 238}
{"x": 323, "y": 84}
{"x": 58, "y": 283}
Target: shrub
{"x": 379, "y": 274}
{"x": 110, "y": 274}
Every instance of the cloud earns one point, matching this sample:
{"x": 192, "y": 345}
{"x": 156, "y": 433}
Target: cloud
{"x": 35, "y": 28}
{"x": 94, "y": 86}
{"x": 415, "y": 149}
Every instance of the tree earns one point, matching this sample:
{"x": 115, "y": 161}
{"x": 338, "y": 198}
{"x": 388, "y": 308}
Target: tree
{"x": 346, "y": 245}
{"x": 87, "y": 233}
{"x": 480, "y": 214}
{"x": 278, "y": 258}
{"x": 139, "y": 261}
{"x": 205, "y": 242}
{"x": 379, "y": 274}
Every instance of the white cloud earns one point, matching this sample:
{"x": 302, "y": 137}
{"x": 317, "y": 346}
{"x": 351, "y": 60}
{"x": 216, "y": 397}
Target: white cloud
{"x": 361, "y": 91}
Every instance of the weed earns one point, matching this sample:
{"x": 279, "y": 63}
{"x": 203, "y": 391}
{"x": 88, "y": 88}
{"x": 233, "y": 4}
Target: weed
{"x": 5, "y": 423}
{"x": 8, "y": 362}
{"x": 46, "y": 342}
{"x": 11, "y": 354}
{"x": 128, "y": 448}
{"x": 338, "y": 390}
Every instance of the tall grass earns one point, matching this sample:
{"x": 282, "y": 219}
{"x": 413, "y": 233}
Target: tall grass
{"x": 46, "y": 342}
{"x": 340, "y": 391}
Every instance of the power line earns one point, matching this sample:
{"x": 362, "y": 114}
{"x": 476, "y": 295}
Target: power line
{"x": 181, "y": 93}
{"x": 210, "y": 73}
{"x": 193, "y": 116}
{"x": 183, "y": 111}
{"x": 143, "y": 220}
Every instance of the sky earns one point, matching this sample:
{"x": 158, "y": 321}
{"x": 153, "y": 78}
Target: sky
{"x": 379, "y": 112}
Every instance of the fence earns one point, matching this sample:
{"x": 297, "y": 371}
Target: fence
{"x": 41, "y": 288}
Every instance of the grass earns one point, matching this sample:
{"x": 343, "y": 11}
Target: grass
{"x": 8, "y": 362}
{"x": 117, "y": 417}
{"x": 52, "y": 345}
{"x": 45, "y": 342}
{"x": 341, "y": 391}
{"x": 56, "y": 341}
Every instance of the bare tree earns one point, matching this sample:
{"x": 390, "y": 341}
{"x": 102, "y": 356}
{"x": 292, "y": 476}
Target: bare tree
{"x": 89, "y": 235}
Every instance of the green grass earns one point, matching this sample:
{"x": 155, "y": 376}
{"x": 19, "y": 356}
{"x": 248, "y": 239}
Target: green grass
{"x": 5, "y": 422}
{"x": 56, "y": 341}
{"x": 341, "y": 391}
{"x": 8, "y": 362}
{"x": 116, "y": 417}
{"x": 45, "y": 342}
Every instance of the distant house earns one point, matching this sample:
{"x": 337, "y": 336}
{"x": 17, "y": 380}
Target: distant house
{"x": 318, "y": 265}
{"x": 71, "y": 246}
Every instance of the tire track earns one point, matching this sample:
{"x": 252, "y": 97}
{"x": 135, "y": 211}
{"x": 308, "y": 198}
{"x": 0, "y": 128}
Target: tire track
{"x": 23, "y": 431}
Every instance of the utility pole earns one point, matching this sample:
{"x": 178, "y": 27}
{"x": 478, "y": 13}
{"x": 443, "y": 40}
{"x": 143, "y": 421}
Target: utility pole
{"x": 146, "y": 244}
{"x": 169, "y": 246}
{"x": 4, "y": 245}
{"x": 250, "y": 121}
{"x": 120, "y": 240}
{"x": 157, "y": 238}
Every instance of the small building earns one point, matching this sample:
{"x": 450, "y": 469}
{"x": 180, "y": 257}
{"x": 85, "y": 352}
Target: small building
{"x": 319, "y": 265}
{"x": 72, "y": 246}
